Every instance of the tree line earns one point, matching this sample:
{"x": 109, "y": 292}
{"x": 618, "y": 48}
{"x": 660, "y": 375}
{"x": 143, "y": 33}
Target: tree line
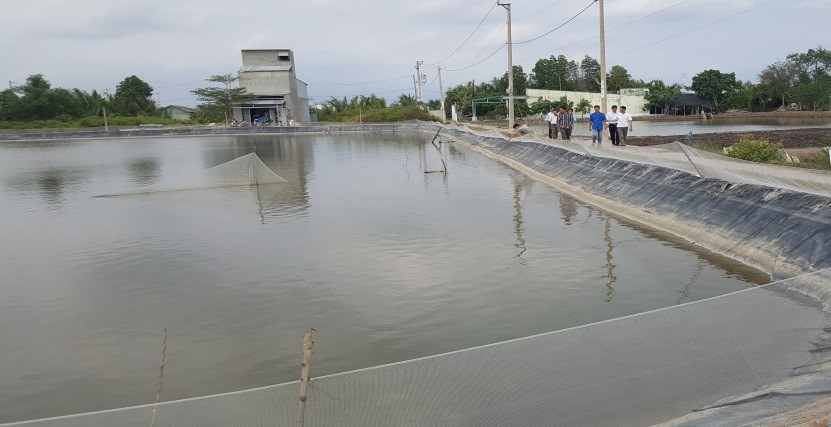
{"x": 802, "y": 81}
{"x": 38, "y": 100}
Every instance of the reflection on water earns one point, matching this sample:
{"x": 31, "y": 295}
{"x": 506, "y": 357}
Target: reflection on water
{"x": 610, "y": 267}
{"x": 685, "y": 292}
{"x": 144, "y": 171}
{"x": 386, "y": 262}
{"x": 568, "y": 209}
{"x": 518, "y": 229}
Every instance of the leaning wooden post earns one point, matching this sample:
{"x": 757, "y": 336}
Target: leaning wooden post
{"x": 304, "y": 375}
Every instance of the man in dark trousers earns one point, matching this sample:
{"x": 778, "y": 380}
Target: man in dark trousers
{"x": 611, "y": 119}
{"x": 565, "y": 121}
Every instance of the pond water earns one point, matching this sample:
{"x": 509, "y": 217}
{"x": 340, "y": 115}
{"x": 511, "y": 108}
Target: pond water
{"x": 386, "y": 262}
{"x": 697, "y": 126}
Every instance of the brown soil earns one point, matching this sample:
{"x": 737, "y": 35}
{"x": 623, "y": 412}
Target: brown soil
{"x": 733, "y": 114}
{"x": 791, "y": 138}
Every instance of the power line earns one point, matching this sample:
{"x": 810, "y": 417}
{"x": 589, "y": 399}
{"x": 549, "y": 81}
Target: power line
{"x": 613, "y": 29}
{"x": 408, "y": 89}
{"x": 698, "y": 28}
{"x": 468, "y": 37}
{"x": 559, "y": 26}
{"x": 477, "y": 63}
{"x": 541, "y": 10}
{"x": 498, "y": 32}
{"x": 359, "y": 83}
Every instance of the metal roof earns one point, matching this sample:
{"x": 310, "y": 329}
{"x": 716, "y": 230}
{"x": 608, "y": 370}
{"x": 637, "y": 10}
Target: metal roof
{"x": 258, "y": 68}
{"x": 262, "y": 103}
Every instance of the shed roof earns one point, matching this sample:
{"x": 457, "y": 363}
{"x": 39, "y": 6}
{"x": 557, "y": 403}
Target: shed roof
{"x": 691, "y": 100}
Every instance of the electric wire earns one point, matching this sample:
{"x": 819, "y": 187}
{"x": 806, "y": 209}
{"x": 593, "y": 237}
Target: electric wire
{"x": 364, "y": 95}
{"x": 541, "y": 10}
{"x": 613, "y": 29}
{"x": 698, "y": 28}
{"x": 360, "y": 83}
{"x": 559, "y": 26}
{"x": 477, "y": 63}
{"x": 498, "y": 32}
{"x": 468, "y": 37}
{"x": 433, "y": 81}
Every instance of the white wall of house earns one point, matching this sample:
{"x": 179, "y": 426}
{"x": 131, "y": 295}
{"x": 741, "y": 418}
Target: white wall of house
{"x": 266, "y": 83}
{"x": 633, "y": 99}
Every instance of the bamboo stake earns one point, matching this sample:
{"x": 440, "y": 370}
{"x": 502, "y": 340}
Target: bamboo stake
{"x": 304, "y": 375}
{"x": 161, "y": 378}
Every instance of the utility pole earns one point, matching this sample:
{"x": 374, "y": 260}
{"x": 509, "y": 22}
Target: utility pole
{"x": 106, "y": 127}
{"x": 415, "y": 87}
{"x": 507, "y": 7}
{"x": 441, "y": 97}
{"x": 603, "y": 96}
{"x": 419, "y": 79}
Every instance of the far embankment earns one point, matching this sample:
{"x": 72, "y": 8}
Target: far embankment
{"x": 789, "y": 138}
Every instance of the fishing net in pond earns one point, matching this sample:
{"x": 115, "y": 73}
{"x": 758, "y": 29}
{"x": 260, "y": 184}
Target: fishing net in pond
{"x": 725, "y": 360}
{"x": 244, "y": 170}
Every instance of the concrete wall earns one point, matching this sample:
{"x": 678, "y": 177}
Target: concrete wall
{"x": 266, "y": 56}
{"x": 633, "y": 100}
{"x": 265, "y": 83}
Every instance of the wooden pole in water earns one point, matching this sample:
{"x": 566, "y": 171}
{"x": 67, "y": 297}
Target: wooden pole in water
{"x": 304, "y": 375}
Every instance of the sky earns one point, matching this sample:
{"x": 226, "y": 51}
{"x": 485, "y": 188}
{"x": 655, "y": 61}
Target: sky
{"x": 340, "y": 45}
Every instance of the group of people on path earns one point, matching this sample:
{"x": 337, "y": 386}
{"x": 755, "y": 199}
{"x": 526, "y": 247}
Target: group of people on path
{"x": 618, "y": 123}
{"x": 560, "y": 124}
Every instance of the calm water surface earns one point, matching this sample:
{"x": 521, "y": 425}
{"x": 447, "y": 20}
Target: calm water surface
{"x": 386, "y": 262}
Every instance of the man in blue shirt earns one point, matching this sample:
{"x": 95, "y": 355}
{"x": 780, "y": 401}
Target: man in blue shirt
{"x": 596, "y": 122}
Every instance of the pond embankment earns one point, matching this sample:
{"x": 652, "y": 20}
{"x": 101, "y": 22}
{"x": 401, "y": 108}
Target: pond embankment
{"x": 789, "y": 138}
{"x": 783, "y": 233}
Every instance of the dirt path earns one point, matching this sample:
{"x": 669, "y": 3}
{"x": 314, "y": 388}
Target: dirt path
{"x": 790, "y": 138}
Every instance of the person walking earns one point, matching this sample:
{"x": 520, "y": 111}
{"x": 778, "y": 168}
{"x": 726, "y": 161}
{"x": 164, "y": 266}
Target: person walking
{"x": 597, "y": 120}
{"x": 624, "y": 125}
{"x": 565, "y": 121}
{"x": 551, "y": 118}
{"x": 573, "y": 119}
{"x": 611, "y": 119}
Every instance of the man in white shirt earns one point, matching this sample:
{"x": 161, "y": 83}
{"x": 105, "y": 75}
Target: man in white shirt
{"x": 551, "y": 118}
{"x": 611, "y": 120}
{"x": 624, "y": 125}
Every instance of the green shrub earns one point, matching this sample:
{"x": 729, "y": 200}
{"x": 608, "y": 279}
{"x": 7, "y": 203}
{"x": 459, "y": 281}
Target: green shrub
{"x": 91, "y": 121}
{"x": 825, "y": 160}
{"x": 378, "y": 115}
{"x": 61, "y": 122}
{"x": 65, "y": 118}
{"x": 755, "y": 150}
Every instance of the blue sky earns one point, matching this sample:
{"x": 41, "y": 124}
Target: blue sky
{"x": 174, "y": 45}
